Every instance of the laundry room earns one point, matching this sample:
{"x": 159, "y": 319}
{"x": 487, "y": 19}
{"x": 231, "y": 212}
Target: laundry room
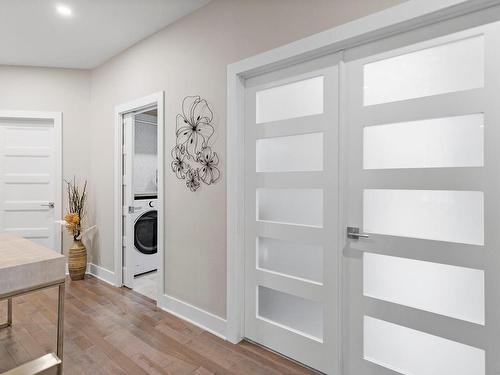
{"x": 144, "y": 253}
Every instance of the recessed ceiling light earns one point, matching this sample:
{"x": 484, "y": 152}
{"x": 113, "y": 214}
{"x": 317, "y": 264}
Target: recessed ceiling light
{"x": 64, "y": 10}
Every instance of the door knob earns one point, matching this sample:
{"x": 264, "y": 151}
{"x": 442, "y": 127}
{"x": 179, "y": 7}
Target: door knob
{"x": 49, "y": 205}
{"x": 355, "y": 234}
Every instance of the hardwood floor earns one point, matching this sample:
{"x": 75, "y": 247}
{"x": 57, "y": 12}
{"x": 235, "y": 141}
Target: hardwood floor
{"x": 116, "y": 331}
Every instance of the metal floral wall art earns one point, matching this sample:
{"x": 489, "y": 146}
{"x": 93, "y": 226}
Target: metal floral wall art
{"x": 193, "y": 158}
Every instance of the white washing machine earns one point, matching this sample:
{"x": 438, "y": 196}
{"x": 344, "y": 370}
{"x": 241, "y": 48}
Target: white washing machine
{"x": 145, "y": 235}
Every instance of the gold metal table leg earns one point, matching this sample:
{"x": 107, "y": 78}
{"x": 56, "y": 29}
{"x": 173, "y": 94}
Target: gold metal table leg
{"x": 9, "y": 314}
{"x": 60, "y": 327}
{"x": 9, "y": 311}
{"x": 50, "y": 360}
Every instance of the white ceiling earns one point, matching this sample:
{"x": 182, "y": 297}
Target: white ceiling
{"x": 33, "y": 33}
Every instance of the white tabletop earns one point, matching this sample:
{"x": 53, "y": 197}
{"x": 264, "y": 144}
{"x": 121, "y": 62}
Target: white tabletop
{"x": 25, "y": 264}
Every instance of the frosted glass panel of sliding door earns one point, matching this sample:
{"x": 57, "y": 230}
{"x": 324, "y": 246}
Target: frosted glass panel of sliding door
{"x": 296, "y": 313}
{"x": 446, "y": 68}
{"x": 412, "y": 352}
{"x": 457, "y": 292}
{"x": 292, "y": 153}
{"x": 441, "y": 215}
{"x": 433, "y": 143}
{"x": 294, "y": 259}
{"x": 291, "y": 206}
{"x": 297, "y": 99}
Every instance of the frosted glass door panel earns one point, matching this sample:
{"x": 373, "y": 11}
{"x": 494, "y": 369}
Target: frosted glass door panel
{"x": 446, "y": 68}
{"x": 291, "y": 206}
{"x": 296, "y": 313}
{"x": 443, "y": 142}
{"x": 441, "y": 215}
{"x": 439, "y": 288}
{"x": 297, "y": 99}
{"x": 295, "y": 259}
{"x": 290, "y": 154}
{"x": 412, "y": 352}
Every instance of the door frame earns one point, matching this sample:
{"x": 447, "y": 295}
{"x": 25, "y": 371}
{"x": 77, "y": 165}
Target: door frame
{"x": 392, "y": 21}
{"x": 57, "y": 118}
{"x": 157, "y": 99}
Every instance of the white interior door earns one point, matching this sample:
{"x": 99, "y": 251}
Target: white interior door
{"x": 422, "y": 150}
{"x": 30, "y": 177}
{"x": 129, "y": 252}
{"x": 291, "y": 204}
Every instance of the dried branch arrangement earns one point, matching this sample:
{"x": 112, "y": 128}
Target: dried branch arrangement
{"x": 77, "y": 198}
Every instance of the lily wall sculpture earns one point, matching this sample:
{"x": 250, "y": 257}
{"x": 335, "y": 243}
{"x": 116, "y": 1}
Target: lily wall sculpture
{"x": 193, "y": 158}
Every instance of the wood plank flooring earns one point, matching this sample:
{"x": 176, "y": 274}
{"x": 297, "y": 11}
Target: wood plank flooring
{"x": 117, "y": 331}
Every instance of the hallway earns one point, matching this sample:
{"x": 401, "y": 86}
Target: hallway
{"x": 117, "y": 331}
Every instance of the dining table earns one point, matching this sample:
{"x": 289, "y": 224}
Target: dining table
{"x": 28, "y": 267}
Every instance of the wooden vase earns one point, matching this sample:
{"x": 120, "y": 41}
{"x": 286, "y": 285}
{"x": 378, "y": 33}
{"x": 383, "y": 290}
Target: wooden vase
{"x": 77, "y": 261}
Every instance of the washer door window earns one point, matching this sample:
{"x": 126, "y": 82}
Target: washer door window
{"x": 146, "y": 234}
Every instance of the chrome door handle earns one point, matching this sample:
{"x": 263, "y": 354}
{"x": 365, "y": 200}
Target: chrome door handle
{"x": 355, "y": 234}
{"x": 49, "y": 205}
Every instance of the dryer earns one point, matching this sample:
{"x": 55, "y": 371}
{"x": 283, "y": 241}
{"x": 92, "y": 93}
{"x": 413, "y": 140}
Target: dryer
{"x": 145, "y": 235}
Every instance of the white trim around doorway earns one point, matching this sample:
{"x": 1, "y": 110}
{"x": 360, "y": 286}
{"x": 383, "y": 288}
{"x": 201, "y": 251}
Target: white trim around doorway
{"x": 158, "y": 100}
{"x": 57, "y": 118}
{"x": 392, "y": 21}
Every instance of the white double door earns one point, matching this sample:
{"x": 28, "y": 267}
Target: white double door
{"x": 416, "y": 176}
{"x": 30, "y": 176}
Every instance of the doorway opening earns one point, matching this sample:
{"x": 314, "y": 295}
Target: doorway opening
{"x": 139, "y": 196}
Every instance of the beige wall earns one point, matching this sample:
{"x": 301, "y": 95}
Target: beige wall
{"x": 64, "y": 90}
{"x": 190, "y": 58}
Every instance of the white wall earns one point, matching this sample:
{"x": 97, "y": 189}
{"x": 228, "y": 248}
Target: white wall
{"x": 187, "y": 58}
{"x": 190, "y": 58}
{"x": 47, "y": 89}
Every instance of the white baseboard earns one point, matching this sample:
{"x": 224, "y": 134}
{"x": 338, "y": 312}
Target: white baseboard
{"x": 101, "y": 273}
{"x": 183, "y": 310}
{"x": 194, "y": 315}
